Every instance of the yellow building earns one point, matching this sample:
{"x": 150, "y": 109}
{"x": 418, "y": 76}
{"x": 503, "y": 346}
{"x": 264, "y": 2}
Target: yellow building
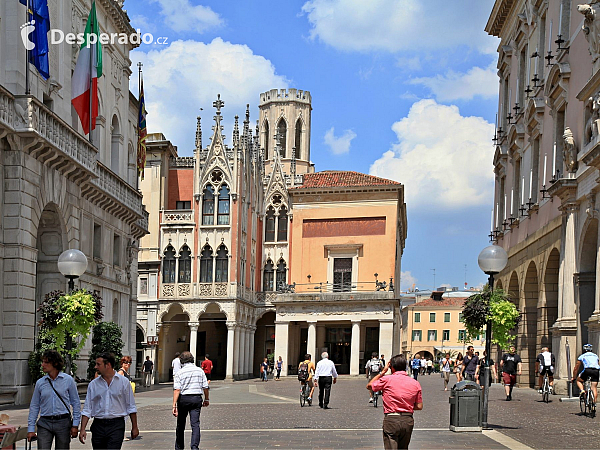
{"x": 434, "y": 326}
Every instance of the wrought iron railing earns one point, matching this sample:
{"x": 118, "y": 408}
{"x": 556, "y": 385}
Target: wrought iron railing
{"x": 358, "y": 286}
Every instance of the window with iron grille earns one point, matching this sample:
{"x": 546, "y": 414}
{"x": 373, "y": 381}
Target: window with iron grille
{"x": 168, "y": 264}
{"x": 268, "y": 276}
{"x": 342, "y": 274}
{"x": 185, "y": 265}
{"x": 206, "y": 265}
{"x": 221, "y": 271}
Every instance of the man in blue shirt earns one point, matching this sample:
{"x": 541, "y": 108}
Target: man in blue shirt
{"x": 587, "y": 367}
{"x": 51, "y": 397}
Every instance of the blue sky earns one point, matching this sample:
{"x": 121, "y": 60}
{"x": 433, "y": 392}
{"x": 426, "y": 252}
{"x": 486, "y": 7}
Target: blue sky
{"x": 402, "y": 89}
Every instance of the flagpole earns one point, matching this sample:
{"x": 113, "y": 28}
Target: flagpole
{"x": 27, "y": 19}
{"x": 137, "y": 172}
{"x": 91, "y": 68}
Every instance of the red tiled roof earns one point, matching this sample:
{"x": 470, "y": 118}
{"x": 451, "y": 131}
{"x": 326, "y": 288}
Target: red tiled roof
{"x": 342, "y": 178}
{"x": 445, "y": 302}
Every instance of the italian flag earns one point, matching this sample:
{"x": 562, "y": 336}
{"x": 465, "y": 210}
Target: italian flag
{"x": 84, "y": 85}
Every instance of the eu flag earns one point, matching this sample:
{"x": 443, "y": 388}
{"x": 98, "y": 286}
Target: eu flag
{"x": 39, "y": 18}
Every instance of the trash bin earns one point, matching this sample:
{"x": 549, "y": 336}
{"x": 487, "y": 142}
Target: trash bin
{"x": 465, "y": 407}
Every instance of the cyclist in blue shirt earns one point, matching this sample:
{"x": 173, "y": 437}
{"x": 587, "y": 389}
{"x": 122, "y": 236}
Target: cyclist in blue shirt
{"x": 591, "y": 369}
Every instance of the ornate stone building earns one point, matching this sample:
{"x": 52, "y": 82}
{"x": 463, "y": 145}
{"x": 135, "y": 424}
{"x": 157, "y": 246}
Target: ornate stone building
{"x": 59, "y": 191}
{"x": 251, "y": 253}
{"x": 546, "y": 165}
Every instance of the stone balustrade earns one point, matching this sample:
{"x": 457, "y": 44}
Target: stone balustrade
{"x": 177, "y": 216}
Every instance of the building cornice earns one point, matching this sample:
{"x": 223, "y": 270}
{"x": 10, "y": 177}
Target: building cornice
{"x": 500, "y": 12}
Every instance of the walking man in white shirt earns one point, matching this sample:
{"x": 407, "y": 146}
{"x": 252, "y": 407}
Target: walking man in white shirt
{"x": 324, "y": 376}
{"x": 188, "y": 386}
{"x": 109, "y": 400}
{"x": 176, "y": 364}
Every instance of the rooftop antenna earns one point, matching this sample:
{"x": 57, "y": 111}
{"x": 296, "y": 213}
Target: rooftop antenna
{"x": 433, "y": 279}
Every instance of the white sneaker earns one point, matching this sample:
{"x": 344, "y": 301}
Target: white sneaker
{"x": 539, "y": 391}
{"x": 371, "y": 400}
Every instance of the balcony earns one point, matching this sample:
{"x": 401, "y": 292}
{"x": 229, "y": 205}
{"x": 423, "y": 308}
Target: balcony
{"x": 47, "y": 137}
{"x": 175, "y": 217}
{"x": 113, "y": 194}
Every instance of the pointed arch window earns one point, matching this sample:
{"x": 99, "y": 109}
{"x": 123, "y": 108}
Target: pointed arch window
{"x": 282, "y": 136}
{"x": 206, "y": 265}
{"x": 208, "y": 206}
{"x": 268, "y": 276}
{"x": 282, "y": 225}
{"x": 222, "y": 262}
{"x": 267, "y": 137}
{"x": 270, "y": 225}
{"x": 169, "y": 265}
{"x": 185, "y": 265}
{"x": 298, "y": 139}
{"x": 223, "y": 208}
{"x": 281, "y": 269}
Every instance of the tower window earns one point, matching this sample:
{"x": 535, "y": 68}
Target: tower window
{"x": 270, "y": 226}
{"x": 223, "y": 211}
{"x": 282, "y": 136}
{"x": 282, "y": 225}
{"x": 267, "y": 137}
{"x": 298, "y": 139}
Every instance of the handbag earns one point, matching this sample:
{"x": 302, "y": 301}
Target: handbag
{"x": 63, "y": 402}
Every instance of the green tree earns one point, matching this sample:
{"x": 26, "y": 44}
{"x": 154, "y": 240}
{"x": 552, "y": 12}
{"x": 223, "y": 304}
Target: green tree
{"x": 495, "y": 306}
{"x": 106, "y": 337}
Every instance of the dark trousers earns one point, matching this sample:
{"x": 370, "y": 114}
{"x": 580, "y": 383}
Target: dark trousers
{"x": 397, "y": 431}
{"x": 415, "y": 373}
{"x": 188, "y": 404}
{"x": 52, "y": 429}
{"x": 108, "y": 433}
{"x": 324, "y": 390}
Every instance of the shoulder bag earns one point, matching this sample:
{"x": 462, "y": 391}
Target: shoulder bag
{"x": 63, "y": 402}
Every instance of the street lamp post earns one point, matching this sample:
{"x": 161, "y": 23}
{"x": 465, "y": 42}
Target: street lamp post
{"x": 72, "y": 264}
{"x": 492, "y": 260}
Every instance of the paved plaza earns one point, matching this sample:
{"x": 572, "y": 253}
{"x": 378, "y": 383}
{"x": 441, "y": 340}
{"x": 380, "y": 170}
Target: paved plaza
{"x": 252, "y": 414}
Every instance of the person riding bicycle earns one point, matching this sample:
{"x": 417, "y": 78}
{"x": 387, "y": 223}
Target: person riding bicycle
{"x": 306, "y": 370}
{"x": 544, "y": 364}
{"x": 373, "y": 367}
{"x": 591, "y": 369}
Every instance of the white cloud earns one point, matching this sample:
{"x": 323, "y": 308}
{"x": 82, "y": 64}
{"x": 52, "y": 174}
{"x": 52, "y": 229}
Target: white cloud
{"x": 339, "y": 145}
{"x": 407, "y": 281}
{"x": 462, "y": 86}
{"x": 180, "y": 15}
{"x": 395, "y": 25}
{"x": 188, "y": 75}
{"x": 442, "y": 158}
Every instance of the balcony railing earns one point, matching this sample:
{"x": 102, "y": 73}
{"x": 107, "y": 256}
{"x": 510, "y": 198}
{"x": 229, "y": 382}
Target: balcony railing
{"x": 358, "y": 286}
{"x": 54, "y": 142}
{"x": 194, "y": 290}
{"x": 177, "y": 217}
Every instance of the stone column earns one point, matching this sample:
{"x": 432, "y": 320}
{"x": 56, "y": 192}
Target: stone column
{"x": 252, "y": 331}
{"x": 193, "y": 339}
{"x": 311, "y": 341}
{"x": 355, "y": 348}
{"x": 247, "y": 364}
{"x": 386, "y": 338}
{"x": 236, "y": 352}
{"x": 566, "y": 288}
{"x": 321, "y": 335}
{"x": 281, "y": 343}
{"x": 230, "y": 350}
{"x": 242, "y": 352}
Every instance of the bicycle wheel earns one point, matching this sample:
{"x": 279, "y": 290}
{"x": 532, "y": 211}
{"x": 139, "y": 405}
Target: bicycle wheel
{"x": 303, "y": 396}
{"x": 546, "y": 396}
{"x": 592, "y": 405}
{"x": 375, "y": 397}
{"x": 582, "y": 404}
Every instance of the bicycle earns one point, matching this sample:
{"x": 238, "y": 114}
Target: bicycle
{"x": 304, "y": 393}
{"x": 587, "y": 402}
{"x": 546, "y": 389}
{"x": 376, "y": 395}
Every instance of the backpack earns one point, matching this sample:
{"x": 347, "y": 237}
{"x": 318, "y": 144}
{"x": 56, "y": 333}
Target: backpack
{"x": 303, "y": 371}
{"x": 416, "y": 363}
{"x": 375, "y": 366}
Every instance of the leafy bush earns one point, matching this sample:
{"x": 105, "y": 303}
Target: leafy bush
{"x": 63, "y": 315}
{"x": 106, "y": 337}
{"x": 495, "y": 306}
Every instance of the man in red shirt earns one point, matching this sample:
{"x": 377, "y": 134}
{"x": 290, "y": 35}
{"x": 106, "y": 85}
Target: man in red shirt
{"x": 207, "y": 366}
{"x": 401, "y": 396}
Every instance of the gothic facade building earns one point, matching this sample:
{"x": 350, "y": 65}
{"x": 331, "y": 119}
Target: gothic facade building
{"x": 253, "y": 254}
{"x": 59, "y": 191}
{"x": 546, "y": 166}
